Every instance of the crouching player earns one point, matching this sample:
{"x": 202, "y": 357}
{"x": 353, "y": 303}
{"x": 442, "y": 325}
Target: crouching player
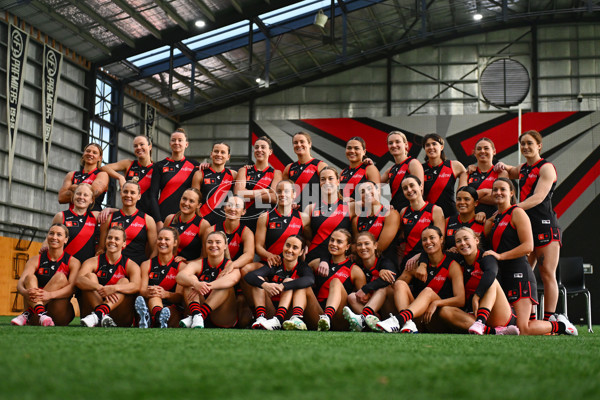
{"x": 282, "y": 285}
{"x": 108, "y": 282}
{"x": 443, "y": 286}
{"x": 159, "y": 287}
{"x": 486, "y": 309}
{"x": 336, "y": 277}
{"x": 47, "y": 283}
{"x": 208, "y": 286}
{"x": 380, "y": 273}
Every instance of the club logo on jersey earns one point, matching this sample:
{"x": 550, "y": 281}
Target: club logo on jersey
{"x": 70, "y": 224}
{"x": 168, "y": 169}
{"x": 113, "y": 224}
{"x": 450, "y": 232}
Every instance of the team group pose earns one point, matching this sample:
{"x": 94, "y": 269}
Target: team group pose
{"x": 432, "y": 247}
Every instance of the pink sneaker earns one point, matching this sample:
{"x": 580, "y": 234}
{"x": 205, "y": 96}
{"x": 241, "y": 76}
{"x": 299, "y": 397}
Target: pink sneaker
{"x": 46, "y": 320}
{"x": 20, "y": 320}
{"x": 478, "y": 328}
{"x": 507, "y": 330}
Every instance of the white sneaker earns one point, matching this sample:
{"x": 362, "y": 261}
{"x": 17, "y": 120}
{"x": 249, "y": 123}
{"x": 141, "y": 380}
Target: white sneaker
{"x": 390, "y": 325}
{"x": 20, "y": 320}
{"x": 197, "y": 321}
{"x": 355, "y": 320}
{"x": 324, "y": 323}
{"x": 478, "y": 328}
{"x": 569, "y": 327}
{"x": 90, "y": 321}
{"x": 46, "y": 320}
{"x": 372, "y": 321}
{"x": 142, "y": 311}
{"x": 409, "y": 327}
{"x": 294, "y": 324}
{"x": 186, "y": 322}
{"x": 552, "y": 318}
{"x": 163, "y": 317}
{"x": 507, "y": 330}
{"x": 272, "y": 324}
{"x": 108, "y": 322}
{"x": 258, "y": 323}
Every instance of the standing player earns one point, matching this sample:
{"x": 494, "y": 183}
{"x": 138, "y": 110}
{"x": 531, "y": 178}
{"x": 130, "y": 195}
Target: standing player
{"x": 357, "y": 171}
{"x": 108, "y": 282}
{"x": 139, "y": 170}
{"x": 47, "y": 283}
{"x": 170, "y": 178}
{"x": 215, "y": 183}
{"x": 466, "y": 204}
{"x": 441, "y": 175}
{"x": 256, "y": 184}
{"x": 304, "y": 172}
{"x": 91, "y": 160}
{"x": 482, "y": 175}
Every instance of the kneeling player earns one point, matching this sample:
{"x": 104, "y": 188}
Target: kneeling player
{"x": 108, "y": 282}
{"x": 208, "y": 286}
{"x": 47, "y": 283}
{"x": 284, "y": 285}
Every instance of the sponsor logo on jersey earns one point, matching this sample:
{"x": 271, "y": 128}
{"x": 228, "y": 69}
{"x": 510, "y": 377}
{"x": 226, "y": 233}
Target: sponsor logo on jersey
{"x": 137, "y": 225}
{"x": 445, "y": 175}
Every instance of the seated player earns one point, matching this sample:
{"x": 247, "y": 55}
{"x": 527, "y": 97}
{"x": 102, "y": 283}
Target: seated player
{"x": 108, "y": 282}
{"x": 335, "y": 278}
{"x": 159, "y": 288}
{"x": 47, "y": 283}
{"x": 208, "y": 286}
{"x": 282, "y": 285}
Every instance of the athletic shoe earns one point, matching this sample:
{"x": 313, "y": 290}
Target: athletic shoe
{"x": 552, "y": 318}
{"x": 46, "y": 320}
{"x": 108, "y": 322}
{"x": 258, "y": 323}
{"x": 324, "y": 323}
{"x": 272, "y": 324}
{"x": 163, "y": 317}
{"x": 294, "y": 324}
{"x": 198, "y": 321}
{"x": 20, "y": 320}
{"x": 478, "y": 328}
{"x": 569, "y": 327}
{"x": 90, "y": 321}
{"x": 507, "y": 330}
{"x": 409, "y": 327}
{"x": 186, "y": 322}
{"x": 390, "y": 325}
{"x": 372, "y": 321}
{"x": 355, "y": 320}
{"x": 142, "y": 311}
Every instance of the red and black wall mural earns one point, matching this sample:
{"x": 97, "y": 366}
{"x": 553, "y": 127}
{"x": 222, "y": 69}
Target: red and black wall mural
{"x": 571, "y": 142}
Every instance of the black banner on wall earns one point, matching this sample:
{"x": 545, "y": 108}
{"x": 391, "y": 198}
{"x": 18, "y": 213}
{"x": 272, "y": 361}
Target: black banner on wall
{"x": 17, "y": 57}
{"x": 51, "y": 77}
{"x": 150, "y": 122}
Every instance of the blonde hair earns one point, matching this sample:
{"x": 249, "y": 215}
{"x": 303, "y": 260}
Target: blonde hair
{"x": 85, "y": 185}
{"x": 96, "y": 145}
{"x": 224, "y": 236}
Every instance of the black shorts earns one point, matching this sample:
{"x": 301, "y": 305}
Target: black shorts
{"x": 546, "y": 234}
{"x": 517, "y": 280}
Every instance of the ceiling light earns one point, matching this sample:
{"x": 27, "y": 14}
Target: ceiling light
{"x": 260, "y": 81}
{"x": 477, "y": 16}
{"x": 320, "y": 19}
{"x": 200, "y": 24}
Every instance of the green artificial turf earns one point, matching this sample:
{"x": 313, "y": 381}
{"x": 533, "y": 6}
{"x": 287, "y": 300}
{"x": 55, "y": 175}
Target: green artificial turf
{"x": 100, "y": 363}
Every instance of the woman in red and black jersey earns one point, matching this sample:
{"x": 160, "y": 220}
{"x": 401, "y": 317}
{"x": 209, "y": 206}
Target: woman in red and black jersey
{"x": 537, "y": 181}
{"x": 441, "y": 175}
{"x": 81, "y": 223}
{"x": 215, "y": 182}
{"x": 379, "y": 220}
{"x": 139, "y": 226}
{"x": 47, "y": 283}
{"x": 482, "y": 175}
{"x": 403, "y": 165}
{"x": 256, "y": 183}
{"x": 189, "y": 225}
{"x": 466, "y": 204}
{"x": 380, "y": 273}
{"x": 138, "y": 170}
{"x": 357, "y": 171}
{"x": 329, "y": 214}
{"x": 208, "y": 287}
{"x": 108, "y": 282}
{"x": 170, "y": 178}
{"x": 91, "y": 160}
{"x": 443, "y": 286}
{"x": 336, "y": 275}
{"x": 304, "y": 172}
{"x": 159, "y": 287}
{"x": 511, "y": 240}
